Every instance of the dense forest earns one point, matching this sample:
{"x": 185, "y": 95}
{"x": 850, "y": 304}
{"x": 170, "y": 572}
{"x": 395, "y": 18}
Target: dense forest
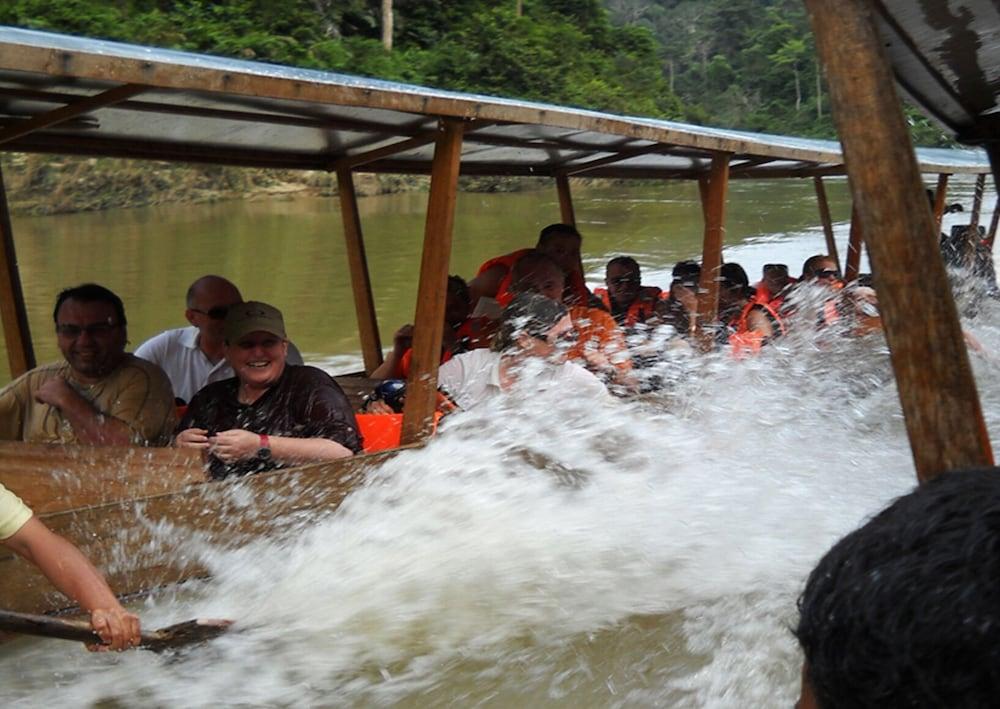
{"x": 745, "y": 64}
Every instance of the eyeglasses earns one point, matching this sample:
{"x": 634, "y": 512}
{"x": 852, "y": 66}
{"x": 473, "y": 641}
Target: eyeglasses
{"x": 97, "y": 329}
{"x": 219, "y": 312}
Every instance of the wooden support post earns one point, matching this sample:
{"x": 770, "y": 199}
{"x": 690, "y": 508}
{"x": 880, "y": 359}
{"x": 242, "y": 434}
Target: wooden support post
{"x": 566, "y": 213}
{"x": 992, "y": 234}
{"x": 715, "y": 231}
{"x": 940, "y": 195}
{"x": 977, "y": 200}
{"x": 854, "y": 247}
{"x": 703, "y": 194}
{"x": 824, "y": 216}
{"x": 937, "y": 390}
{"x": 13, "y": 314}
{"x": 421, "y": 389}
{"x": 357, "y": 261}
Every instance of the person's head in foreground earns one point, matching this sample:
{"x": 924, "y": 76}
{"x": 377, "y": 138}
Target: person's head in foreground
{"x": 905, "y": 611}
{"x": 533, "y": 326}
{"x": 256, "y": 344}
{"x": 820, "y": 269}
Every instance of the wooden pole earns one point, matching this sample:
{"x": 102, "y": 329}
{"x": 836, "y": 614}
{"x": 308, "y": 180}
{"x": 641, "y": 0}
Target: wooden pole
{"x": 854, "y": 247}
{"x": 977, "y": 200}
{"x": 937, "y": 390}
{"x": 566, "y": 213}
{"x": 703, "y": 194}
{"x": 824, "y": 215}
{"x": 13, "y": 314}
{"x": 715, "y": 232}
{"x": 992, "y": 234}
{"x": 940, "y": 195}
{"x": 357, "y": 262}
{"x": 421, "y": 388}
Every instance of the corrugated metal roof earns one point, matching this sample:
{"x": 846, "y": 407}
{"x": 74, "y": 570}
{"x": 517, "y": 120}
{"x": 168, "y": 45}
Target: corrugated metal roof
{"x": 946, "y": 57}
{"x": 199, "y": 108}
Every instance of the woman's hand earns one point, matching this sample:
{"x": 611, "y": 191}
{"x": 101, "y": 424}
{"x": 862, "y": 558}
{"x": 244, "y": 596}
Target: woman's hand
{"x": 235, "y": 444}
{"x": 192, "y": 438}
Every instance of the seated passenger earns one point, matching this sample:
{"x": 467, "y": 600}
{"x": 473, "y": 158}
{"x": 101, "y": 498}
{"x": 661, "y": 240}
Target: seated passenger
{"x": 774, "y": 285}
{"x": 902, "y": 612}
{"x": 679, "y": 309}
{"x": 814, "y": 298}
{"x": 561, "y": 242}
{"x": 461, "y": 333}
{"x": 271, "y": 414}
{"x": 193, "y": 356}
{"x": 100, "y": 395}
{"x": 68, "y": 570}
{"x": 629, "y": 302}
{"x": 600, "y": 343}
{"x": 747, "y": 324}
{"x": 532, "y": 326}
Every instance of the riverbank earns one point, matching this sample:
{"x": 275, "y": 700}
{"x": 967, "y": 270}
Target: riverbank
{"x": 43, "y": 184}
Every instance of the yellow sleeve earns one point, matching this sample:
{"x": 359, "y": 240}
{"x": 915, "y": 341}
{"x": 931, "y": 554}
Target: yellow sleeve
{"x": 13, "y": 513}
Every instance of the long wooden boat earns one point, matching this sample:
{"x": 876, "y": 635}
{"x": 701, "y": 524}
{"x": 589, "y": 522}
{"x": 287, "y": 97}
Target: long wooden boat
{"x": 67, "y": 95}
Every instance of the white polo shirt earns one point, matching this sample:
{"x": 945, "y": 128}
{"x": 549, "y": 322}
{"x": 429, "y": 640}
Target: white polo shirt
{"x": 474, "y": 377}
{"x": 178, "y": 354}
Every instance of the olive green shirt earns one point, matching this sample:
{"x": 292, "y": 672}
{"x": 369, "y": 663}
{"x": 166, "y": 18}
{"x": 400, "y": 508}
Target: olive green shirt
{"x": 137, "y": 393}
{"x": 13, "y": 513}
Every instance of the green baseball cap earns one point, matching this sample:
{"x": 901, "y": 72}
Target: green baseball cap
{"x": 253, "y": 316}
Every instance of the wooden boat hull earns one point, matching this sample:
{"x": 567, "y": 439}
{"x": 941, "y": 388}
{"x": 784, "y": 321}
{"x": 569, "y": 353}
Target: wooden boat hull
{"x": 115, "y": 505}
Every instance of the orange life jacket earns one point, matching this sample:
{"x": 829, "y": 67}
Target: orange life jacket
{"x": 641, "y": 309}
{"x": 762, "y": 294}
{"x": 504, "y": 295}
{"x": 746, "y": 341}
{"x": 381, "y": 432}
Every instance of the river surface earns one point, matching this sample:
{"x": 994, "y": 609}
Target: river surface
{"x": 616, "y": 554}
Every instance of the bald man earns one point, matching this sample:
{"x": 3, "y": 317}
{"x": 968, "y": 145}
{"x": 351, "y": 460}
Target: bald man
{"x": 193, "y": 356}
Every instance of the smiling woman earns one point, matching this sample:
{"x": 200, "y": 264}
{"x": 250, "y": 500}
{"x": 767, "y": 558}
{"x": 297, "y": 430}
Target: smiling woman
{"x": 271, "y": 414}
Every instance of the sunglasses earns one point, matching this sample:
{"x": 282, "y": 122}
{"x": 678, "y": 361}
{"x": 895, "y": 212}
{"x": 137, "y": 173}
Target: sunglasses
{"x": 623, "y": 280}
{"x": 827, "y": 273}
{"x": 219, "y": 312}
{"x": 96, "y": 329}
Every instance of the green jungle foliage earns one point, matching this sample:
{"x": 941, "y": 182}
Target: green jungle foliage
{"x": 746, "y": 64}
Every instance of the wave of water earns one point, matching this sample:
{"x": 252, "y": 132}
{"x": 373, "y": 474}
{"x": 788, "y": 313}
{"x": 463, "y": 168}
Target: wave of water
{"x": 554, "y": 551}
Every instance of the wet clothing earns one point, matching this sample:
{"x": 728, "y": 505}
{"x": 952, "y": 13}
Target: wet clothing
{"x": 473, "y": 333}
{"x": 305, "y": 402}
{"x": 189, "y": 369}
{"x": 742, "y": 338}
{"x": 639, "y": 311}
{"x": 13, "y": 513}
{"x": 598, "y": 332}
{"x": 474, "y": 377}
{"x": 575, "y": 285}
{"x": 137, "y": 393}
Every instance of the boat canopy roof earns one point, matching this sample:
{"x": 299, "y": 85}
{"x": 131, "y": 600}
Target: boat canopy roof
{"x": 71, "y": 95}
{"x": 947, "y": 61}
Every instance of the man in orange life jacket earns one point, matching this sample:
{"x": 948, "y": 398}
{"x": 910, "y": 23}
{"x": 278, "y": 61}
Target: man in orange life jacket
{"x": 774, "y": 285}
{"x": 629, "y": 302}
{"x": 748, "y": 325}
{"x": 560, "y": 242}
{"x": 600, "y": 343}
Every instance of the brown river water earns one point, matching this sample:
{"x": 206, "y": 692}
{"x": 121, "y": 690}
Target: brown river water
{"x": 622, "y": 554}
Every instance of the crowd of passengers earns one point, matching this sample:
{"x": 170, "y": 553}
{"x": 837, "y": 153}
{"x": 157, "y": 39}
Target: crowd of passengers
{"x": 233, "y": 386}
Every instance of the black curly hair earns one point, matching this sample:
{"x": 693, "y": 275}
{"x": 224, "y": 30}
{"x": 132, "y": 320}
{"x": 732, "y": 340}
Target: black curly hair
{"x": 905, "y": 611}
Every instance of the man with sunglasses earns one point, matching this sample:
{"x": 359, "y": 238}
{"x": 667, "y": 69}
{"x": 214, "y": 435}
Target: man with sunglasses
{"x": 193, "y": 356}
{"x": 100, "y": 395}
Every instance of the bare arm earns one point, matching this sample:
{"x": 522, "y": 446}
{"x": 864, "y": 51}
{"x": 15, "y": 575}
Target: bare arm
{"x": 486, "y": 284}
{"x": 237, "y": 444}
{"x": 71, "y": 572}
{"x": 402, "y": 340}
{"x": 90, "y": 425}
{"x": 760, "y": 323}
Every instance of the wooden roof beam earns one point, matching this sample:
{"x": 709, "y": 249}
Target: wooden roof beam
{"x": 72, "y": 110}
{"x": 748, "y": 164}
{"x": 175, "y": 109}
{"x": 350, "y": 162}
{"x": 608, "y": 160}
